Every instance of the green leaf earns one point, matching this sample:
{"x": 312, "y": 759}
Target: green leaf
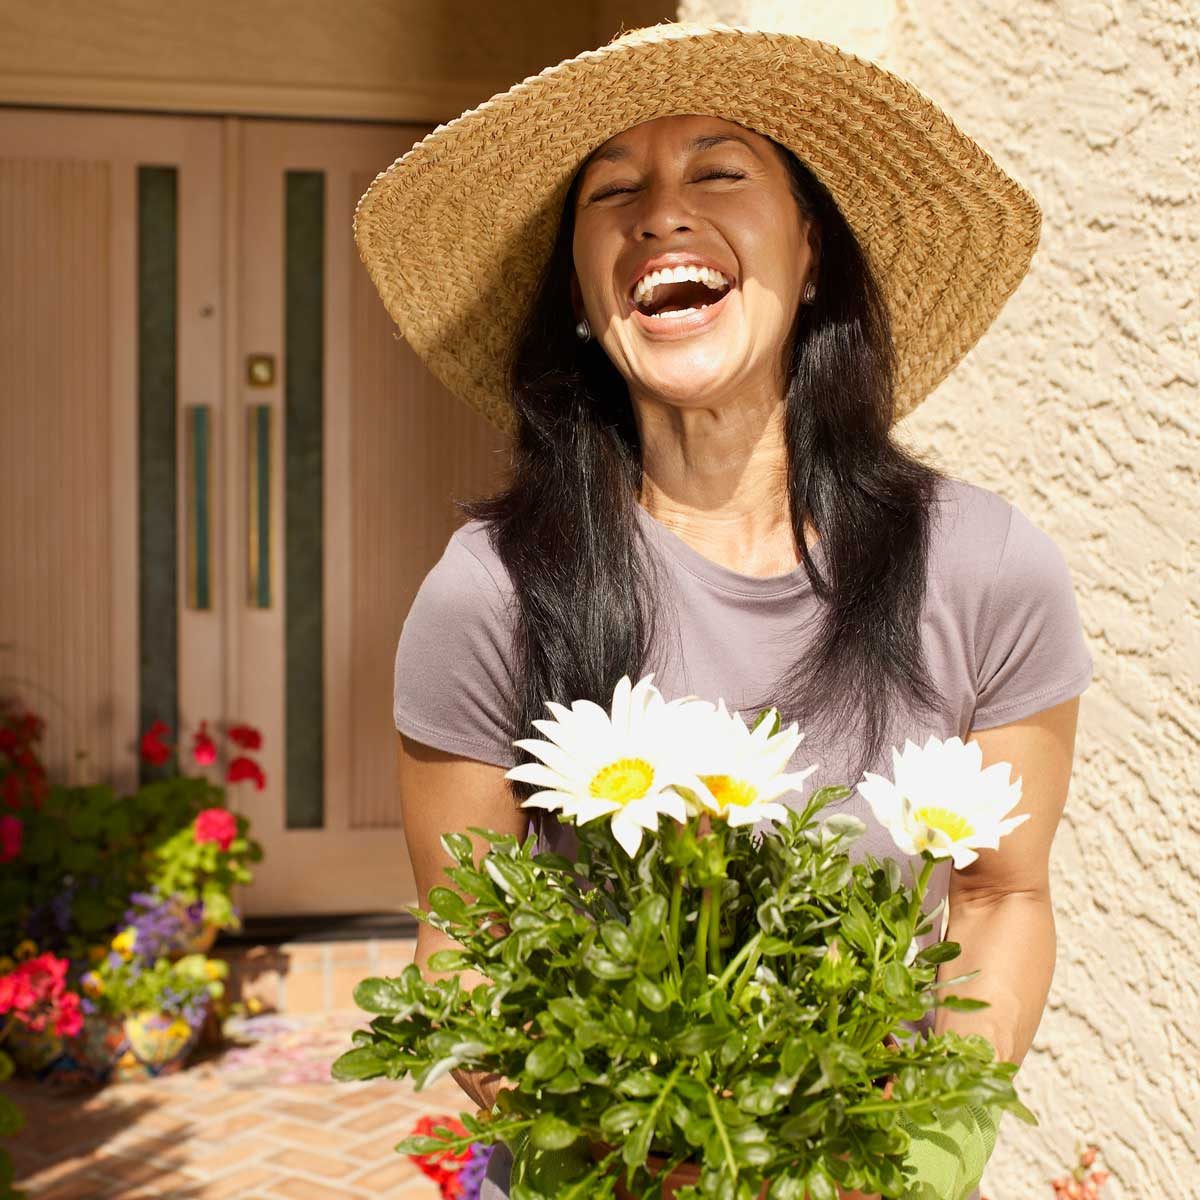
{"x": 448, "y": 903}
{"x": 962, "y": 1003}
{"x": 550, "y": 1132}
{"x": 446, "y": 960}
{"x": 618, "y": 1119}
{"x": 698, "y": 1039}
{"x": 939, "y": 952}
{"x": 382, "y": 996}
{"x": 363, "y": 1063}
{"x": 651, "y": 995}
{"x": 544, "y": 1060}
{"x": 12, "y": 1120}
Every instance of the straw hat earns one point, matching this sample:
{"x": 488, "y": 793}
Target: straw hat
{"x": 456, "y": 232}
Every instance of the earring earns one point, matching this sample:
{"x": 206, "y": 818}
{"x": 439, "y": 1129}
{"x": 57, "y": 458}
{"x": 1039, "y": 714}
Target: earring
{"x": 583, "y": 331}
{"x": 810, "y": 292}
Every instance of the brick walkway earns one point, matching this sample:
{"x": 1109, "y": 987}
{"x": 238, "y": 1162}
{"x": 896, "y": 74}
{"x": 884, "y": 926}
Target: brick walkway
{"x": 261, "y": 1121}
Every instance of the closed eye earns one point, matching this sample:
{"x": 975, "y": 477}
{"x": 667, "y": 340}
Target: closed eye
{"x": 717, "y": 173}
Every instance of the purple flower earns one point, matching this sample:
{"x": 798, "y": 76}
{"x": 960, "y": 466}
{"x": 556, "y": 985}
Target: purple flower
{"x": 471, "y": 1173}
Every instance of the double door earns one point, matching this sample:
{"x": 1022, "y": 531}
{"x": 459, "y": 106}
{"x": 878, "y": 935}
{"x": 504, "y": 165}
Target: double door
{"x": 226, "y": 473}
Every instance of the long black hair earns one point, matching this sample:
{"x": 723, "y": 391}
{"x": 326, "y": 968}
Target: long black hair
{"x": 588, "y": 600}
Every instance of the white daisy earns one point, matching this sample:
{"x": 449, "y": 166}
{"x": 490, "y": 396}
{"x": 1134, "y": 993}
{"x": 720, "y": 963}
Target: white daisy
{"x": 942, "y": 802}
{"x": 743, "y": 769}
{"x": 625, "y": 764}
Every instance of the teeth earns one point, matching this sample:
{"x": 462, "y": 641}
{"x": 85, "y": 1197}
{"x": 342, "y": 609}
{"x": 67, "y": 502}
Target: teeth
{"x": 675, "y": 312}
{"x": 705, "y": 275}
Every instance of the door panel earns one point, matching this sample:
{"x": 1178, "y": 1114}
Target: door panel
{"x": 394, "y": 448}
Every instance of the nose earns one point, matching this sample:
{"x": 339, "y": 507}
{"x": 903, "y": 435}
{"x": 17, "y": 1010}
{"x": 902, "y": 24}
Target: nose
{"x": 663, "y": 211}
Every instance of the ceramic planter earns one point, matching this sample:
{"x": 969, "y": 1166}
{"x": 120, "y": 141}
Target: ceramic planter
{"x": 33, "y": 1050}
{"x": 158, "y": 1044}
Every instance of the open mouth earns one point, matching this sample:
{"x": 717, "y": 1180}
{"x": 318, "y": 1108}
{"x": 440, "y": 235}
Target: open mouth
{"x": 683, "y": 292}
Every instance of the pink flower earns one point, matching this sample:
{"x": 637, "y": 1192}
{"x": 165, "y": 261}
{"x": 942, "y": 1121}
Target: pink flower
{"x": 11, "y": 831}
{"x": 216, "y": 825}
{"x": 204, "y": 749}
{"x": 246, "y": 768}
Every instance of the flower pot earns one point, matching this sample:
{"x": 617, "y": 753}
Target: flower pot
{"x": 90, "y": 1056}
{"x": 200, "y": 941}
{"x": 33, "y": 1050}
{"x": 159, "y": 1044}
{"x": 679, "y": 1176}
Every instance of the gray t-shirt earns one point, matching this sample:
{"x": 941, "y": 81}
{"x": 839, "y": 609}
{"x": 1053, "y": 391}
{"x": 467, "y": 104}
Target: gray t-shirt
{"x": 1000, "y": 631}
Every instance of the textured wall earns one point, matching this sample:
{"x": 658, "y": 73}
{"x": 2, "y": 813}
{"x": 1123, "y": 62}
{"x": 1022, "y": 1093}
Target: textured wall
{"x": 1081, "y": 406}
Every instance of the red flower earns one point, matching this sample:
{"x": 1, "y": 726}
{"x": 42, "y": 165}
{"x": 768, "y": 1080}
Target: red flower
{"x": 216, "y": 825}
{"x": 442, "y": 1166}
{"x": 154, "y": 750}
{"x": 204, "y": 749}
{"x": 12, "y": 790}
{"x": 245, "y": 736}
{"x": 246, "y": 768}
{"x": 36, "y": 993}
{"x": 11, "y": 830}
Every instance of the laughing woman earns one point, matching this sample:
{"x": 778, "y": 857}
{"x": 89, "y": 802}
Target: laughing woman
{"x": 698, "y": 275}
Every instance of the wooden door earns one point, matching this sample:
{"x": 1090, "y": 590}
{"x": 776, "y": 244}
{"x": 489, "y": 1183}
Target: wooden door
{"x": 222, "y": 477}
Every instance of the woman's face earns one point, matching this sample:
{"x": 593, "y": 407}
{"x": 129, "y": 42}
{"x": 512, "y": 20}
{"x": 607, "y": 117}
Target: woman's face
{"x": 690, "y": 190}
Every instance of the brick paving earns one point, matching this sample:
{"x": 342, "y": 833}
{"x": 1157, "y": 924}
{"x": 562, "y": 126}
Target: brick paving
{"x": 254, "y": 1122}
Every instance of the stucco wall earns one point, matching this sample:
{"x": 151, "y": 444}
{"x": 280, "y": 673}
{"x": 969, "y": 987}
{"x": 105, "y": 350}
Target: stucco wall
{"x": 1080, "y": 405}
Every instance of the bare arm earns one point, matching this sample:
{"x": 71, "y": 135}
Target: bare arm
{"x": 442, "y": 793}
{"x": 1000, "y": 906}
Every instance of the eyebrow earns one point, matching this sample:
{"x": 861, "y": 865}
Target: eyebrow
{"x": 704, "y": 142}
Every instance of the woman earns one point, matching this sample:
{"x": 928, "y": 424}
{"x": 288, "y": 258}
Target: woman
{"x": 700, "y": 335}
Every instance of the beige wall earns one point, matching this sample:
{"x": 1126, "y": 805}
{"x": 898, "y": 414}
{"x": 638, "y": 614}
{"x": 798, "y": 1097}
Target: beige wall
{"x": 1080, "y": 405}
{"x": 408, "y": 60}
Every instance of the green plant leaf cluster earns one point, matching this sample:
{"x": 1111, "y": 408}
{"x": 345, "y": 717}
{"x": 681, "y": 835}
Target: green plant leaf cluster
{"x": 99, "y": 846}
{"x": 732, "y": 1001}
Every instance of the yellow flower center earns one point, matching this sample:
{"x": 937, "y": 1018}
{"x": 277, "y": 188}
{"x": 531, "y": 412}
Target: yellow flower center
{"x": 729, "y": 792}
{"x": 954, "y": 825}
{"x": 622, "y": 781}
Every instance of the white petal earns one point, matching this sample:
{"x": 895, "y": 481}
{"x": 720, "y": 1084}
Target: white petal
{"x": 535, "y": 773}
{"x": 627, "y": 833}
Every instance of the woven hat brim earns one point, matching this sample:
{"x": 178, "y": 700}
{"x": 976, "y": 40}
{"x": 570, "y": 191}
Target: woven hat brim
{"x": 456, "y": 232}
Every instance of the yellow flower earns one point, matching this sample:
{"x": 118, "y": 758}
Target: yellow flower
{"x": 25, "y": 949}
{"x": 254, "y": 1004}
{"x": 93, "y": 985}
{"x": 124, "y": 942}
{"x": 6, "y": 965}
{"x": 215, "y": 969}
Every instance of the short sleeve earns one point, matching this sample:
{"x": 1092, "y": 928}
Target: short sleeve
{"x": 1030, "y": 647}
{"x": 452, "y": 681}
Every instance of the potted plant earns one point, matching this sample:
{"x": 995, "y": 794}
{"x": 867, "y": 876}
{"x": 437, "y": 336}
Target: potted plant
{"x": 699, "y": 1009}
{"x": 161, "y": 1004}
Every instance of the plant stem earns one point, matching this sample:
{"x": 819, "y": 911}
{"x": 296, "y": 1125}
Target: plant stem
{"x": 700, "y": 950}
{"x": 740, "y": 957}
{"x": 673, "y": 919}
{"x": 714, "y": 932}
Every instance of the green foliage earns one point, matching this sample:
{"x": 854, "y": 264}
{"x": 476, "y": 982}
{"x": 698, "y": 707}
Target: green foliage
{"x": 191, "y": 870}
{"x": 166, "y": 985}
{"x": 99, "y": 843}
{"x": 610, "y": 1009}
